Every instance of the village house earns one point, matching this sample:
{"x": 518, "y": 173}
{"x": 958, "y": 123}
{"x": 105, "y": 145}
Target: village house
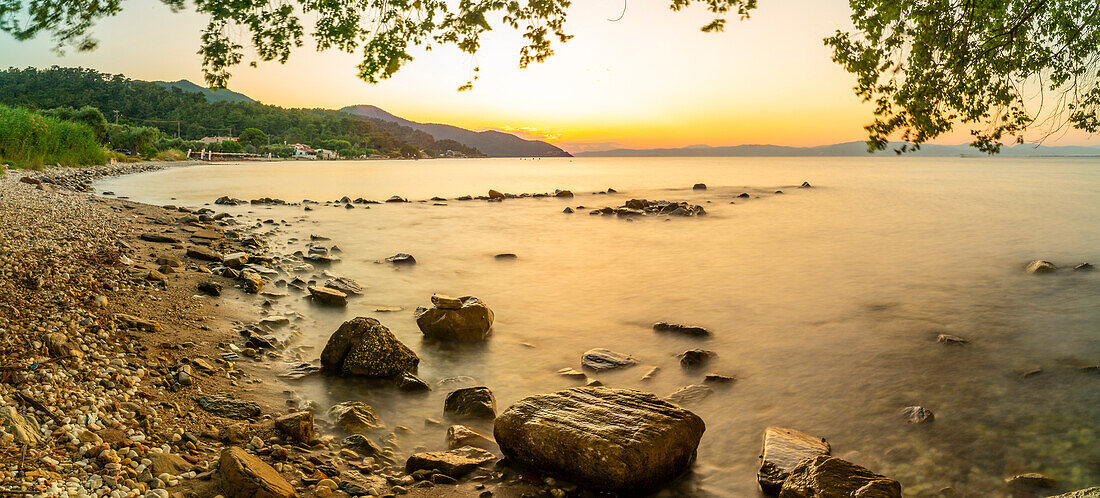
{"x": 217, "y": 140}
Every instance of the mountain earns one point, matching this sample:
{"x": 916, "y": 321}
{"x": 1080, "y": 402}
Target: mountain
{"x": 492, "y": 143}
{"x": 843, "y": 149}
{"x": 224, "y": 95}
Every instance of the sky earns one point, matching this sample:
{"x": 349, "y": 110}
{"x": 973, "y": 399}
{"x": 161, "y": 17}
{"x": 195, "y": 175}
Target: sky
{"x": 651, "y": 79}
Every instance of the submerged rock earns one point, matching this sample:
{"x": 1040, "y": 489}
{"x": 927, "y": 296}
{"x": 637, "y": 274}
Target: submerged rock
{"x": 402, "y": 259}
{"x": 1040, "y": 266}
{"x": 681, "y": 329}
{"x": 460, "y": 435}
{"x": 917, "y": 414}
{"x": 493, "y": 194}
{"x": 1083, "y": 267}
{"x": 455, "y": 463}
{"x": 699, "y": 186}
{"x": 363, "y": 346}
{"x": 600, "y": 359}
{"x": 695, "y": 358}
{"x": 605, "y": 439}
{"x": 463, "y": 319}
{"x": 344, "y": 285}
{"x": 471, "y": 402}
{"x": 782, "y": 450}
{"x": 246, "y": 475}
{"x": 1031, "y": 480}
{"x": 410, "y": 383}
{"x": 690, "y": 394}
{"x": 951, "y": 339}
{"x": 355, "y": 417}
{"x": 826, "y": 476}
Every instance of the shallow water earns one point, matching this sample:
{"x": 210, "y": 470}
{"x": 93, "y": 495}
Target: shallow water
{"x": 824, "y": 302}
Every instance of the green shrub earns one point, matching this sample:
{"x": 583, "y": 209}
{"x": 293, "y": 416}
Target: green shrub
{"x": 29, "y": 139}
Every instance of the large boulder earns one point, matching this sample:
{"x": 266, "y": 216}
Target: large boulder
{"x": 363, "y": 346}
{"x": 463, "y": 319}
{"x": 783, "y": 449}
{"x": 454, "y": 463}
{"x": 824, "y": 476}
{"x": 244, "y": 475}
{"x": 606, "y": 439}
{"x": 471, "y": 402}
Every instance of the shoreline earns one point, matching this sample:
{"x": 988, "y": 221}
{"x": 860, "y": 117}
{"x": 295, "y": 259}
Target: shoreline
{"x": 110, "y": 345}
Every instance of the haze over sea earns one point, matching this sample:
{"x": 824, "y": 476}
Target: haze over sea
{"x": 824, "y": 302}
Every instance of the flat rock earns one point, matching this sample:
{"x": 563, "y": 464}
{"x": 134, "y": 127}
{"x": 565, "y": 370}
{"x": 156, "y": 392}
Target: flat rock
{"x": 327, "y": 296}
{"x": 207, "y": 234}
{"x": 402, "y": 259}
{"x": 951, "y": 339}
{"x": 782, "y": 450}
{"x": 345, "y": 285}
{"x": 460, "y": 435}
{"x": 244, "y": 475}
{"x": 225, "y": 405}
{"x": 1093, "y": 492}
{"x": 23, "y": 427}
{"x": 600, "y": 359}
{"x": 363, "y": 346}
{"x": 1032, "y": 480}
{"x": 470, "y": 321}
{"x": 444, "y": 302}
{"x": 355, "y": 417}
{"x": 826, "y": 476}
{"x": 605, "y": 439}
{"x": 204, "y": 253}
{"x": 471, "y": 402}
{"x": 158, "y": 237}
{"x": 695, "y": 358}
{"x": 690, "y": 394}
{"x": 691, "y": 330}
{"x": 455, "y": 463}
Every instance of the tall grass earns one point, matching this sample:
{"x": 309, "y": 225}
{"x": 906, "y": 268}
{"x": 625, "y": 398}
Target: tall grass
{"x": 31, "y": 140}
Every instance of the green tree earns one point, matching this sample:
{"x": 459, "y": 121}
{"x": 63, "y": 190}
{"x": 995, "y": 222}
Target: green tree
{"x": 136, "y": 139}
{"x": 253, "y": 137}
{"x": 231, "y": 146}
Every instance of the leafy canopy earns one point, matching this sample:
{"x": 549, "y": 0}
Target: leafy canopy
{"x": 999, "y": 67}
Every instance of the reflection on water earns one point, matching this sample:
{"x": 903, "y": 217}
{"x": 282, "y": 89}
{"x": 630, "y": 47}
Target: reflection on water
{"x": 825, "y": 303}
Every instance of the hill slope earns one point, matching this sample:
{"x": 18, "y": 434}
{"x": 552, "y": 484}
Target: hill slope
{"x": 492, "y": 143}
{"x": 842, "y": 149}
{"x": 225, "y": 95}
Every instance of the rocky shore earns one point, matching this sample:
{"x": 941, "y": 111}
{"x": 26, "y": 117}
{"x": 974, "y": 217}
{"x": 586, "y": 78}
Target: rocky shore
{"x": 139, "y": 345}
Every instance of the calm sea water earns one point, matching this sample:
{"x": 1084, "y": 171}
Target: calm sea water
{"x": 824, "y": 303}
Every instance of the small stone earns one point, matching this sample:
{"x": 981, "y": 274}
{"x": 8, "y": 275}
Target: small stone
{"x": 917, "y": 414}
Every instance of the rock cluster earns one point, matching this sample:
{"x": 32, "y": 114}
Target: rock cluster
{"x": 643, "y": 207}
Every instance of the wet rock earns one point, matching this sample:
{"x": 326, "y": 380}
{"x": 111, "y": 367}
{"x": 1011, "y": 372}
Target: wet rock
{"x": 493, "y": 194}
{"x": 743, "y": 195}
{"x": 637, "y": 204}
{"x": 402, "y": 259}
{"x": 951, "y": 339}
{"x": 782, "y": 450}
{"x": 1040, "y": 266}
{"x": 210, "y": 288}
{"x": 158, "y": 237}
{"x": 355, "y": 417}
{"x": 699, "y": 186}
{"x": 207, "y": 235}
{"x": 1083, "y": 267}
{"x": 410, "y": 383}
{"x": 362, "y": 444}
{"x": 917, "y": 414}
{"x": 1093, "y": 492}
{"x": 299, "y": 370}
{"x": 471, "y": 402}
{"x": 567, "y": 210}
{"x": 805, "y": 185}
{"x": 826, "y": 476}
{"x": 600, "y": 359}
{"x": 345, "y": 285}
{"x": 572, "y": 373}
{"x": 363, "y": 346}
{"x": 245, "y": 475}
{"x": 714, "y": 378}
{"x": 327, "y": 296}
{"x": 204, "y": 254}
{"x": 690, "y": 394}
{"x": 563, "y": 193}
{"x": 695, "y": 358}
{"x": 396, "y": 198}
{"x": 681, "y": 329}
{"x": 602, "y": 438}
{"x": 453, "y": 463}
{"x": 460, "y": 435}
{"x": 235, "y": 260}
{"x": 225, "y": 405}
{"x": 1032, "y": 480}
{"x": 469, "y": 321}
{"x": 506, "y": 255}
{"x": 298, "y": 425}
{"x": 251, "y": 282}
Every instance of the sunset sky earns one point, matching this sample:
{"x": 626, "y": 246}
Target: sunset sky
{"x": 650, "y": 80}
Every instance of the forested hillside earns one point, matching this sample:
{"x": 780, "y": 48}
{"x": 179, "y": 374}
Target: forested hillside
{"x": 173, "y": 110}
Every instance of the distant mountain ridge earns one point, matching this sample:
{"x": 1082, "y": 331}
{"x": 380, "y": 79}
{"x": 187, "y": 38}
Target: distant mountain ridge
{"x": 492, "y": 143}
{"x": 843, "y": 149}
{"x": 224, "y": 95}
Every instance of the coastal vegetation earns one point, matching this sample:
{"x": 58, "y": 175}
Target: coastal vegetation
{"x": 997, "y": 67}
{"x": 182, "y": 118}
{"x": 32, "y": 140}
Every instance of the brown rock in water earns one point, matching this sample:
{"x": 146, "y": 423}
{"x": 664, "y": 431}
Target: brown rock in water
{"x": 602, "y": 438}
{"x": 460, "y": 435}
{"x": 298, "y": 425}
{"x": 563, "y": 193}
{"x": 493, "y": 194}
{"x": 204, "y": 253}
{"x": 1093, "y": 492}
{"x": 690, "y": 394}
{"x": 454, "y": 463}
{"x": 826, "y": 476}
{"x": 327, "y": 296}
{"x": 345, "y": 285}
{"x": 1032, "y": 480}
{"x": 1040, "y": 266}
{"x": 681, "y": 329}
{"x": 694, "y": 358}
{"x": 783, "y": 449}
{"x": 363, "y": 346}
{"x": 600, "y": 359}
{"x": 471, "y": 402}
{"x": 244, "y": 475}
{"x": 470, "y": 321}
{"x": 917, "y": 414}
{"x": 951, "y": 339}
{"x": 355, "y": 417}
{"x": 699, "y": 186}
